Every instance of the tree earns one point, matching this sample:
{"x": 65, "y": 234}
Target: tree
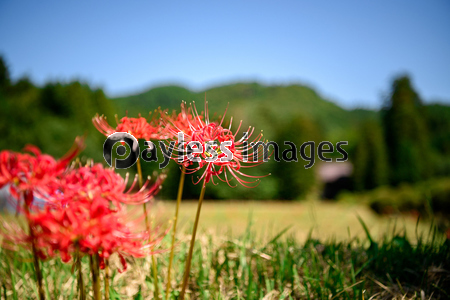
{"x": 406, "y": 134}
{"x": 5, "y": 80}
{"x": 369, "y": 160}
{"x": 438, "y": 121}
{"x": 294, "y": 180}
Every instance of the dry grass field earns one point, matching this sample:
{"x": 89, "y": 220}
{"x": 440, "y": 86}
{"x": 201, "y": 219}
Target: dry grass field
{"x": 323, "y": 219}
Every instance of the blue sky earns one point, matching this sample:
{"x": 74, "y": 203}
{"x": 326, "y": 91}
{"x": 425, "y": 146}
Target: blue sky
{"x": 348, "y": 50}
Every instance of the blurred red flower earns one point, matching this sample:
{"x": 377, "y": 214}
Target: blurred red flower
{"x": 32, "y": 172}
{"x": 138, "y": 127}
{"x": 87, "y": 214}
{"x": 90, "y": 226}
{"x": 95, "y": 181}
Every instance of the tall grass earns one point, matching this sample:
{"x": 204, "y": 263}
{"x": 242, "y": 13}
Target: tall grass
{"x": 252, "y": 267}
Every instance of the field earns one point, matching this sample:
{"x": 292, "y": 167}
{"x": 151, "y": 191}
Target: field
{"x": 325, "y": 219}
{"x": 261, "y": 250}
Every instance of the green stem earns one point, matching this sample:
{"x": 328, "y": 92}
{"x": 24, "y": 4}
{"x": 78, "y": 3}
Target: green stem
{"x": 154, "y": 269}
{"x": 175, "y": 219}
{"x": 93, "y": 260}
{"x": 106, "y": 279}
{"x": 155, "y": 277}
{"x": 139, "y": 170}
{"x": 80, "y": 277}
{"x": 191, "y": 248}
{"x": 11, "y": 274}
{"x": 37, "y": 267}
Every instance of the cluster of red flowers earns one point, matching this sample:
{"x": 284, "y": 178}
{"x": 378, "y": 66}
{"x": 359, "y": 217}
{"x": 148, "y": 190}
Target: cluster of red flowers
{"x": 84, "y": 207}
{"x": 83, "y": 210}
{"x": 196, "y": 128}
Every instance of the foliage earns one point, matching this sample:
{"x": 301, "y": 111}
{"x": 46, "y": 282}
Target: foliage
{"x": 51, "y": 117}
{"x": 369, "y": 157}
{"x": 438, "y": 122}
{"x": 406, "y": 134}
{"x": 294, "y": 180}
{"x": 428, "y": 198}
{"x": 4, "y": 74}
{"x": 276, "y": 266}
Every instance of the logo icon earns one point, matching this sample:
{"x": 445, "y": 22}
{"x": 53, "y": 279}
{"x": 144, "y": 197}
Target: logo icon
{"x": 121, "y": 150}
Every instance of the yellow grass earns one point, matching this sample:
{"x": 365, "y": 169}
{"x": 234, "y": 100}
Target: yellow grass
{"x": 327, "y": 219}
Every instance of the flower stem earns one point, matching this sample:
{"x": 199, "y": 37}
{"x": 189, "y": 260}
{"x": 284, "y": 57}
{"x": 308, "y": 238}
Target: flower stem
{"x": 37, "y": 267}
{"x": 155, "y": 277}
{"x": 154, "y": 269}
{"x": 139, "y": 170}
{"x": 80, "y": 277}
{"x": 191, "y": 248}
{"x": 175, "y": 219}
{"x": 93, "y": 260}
{"x": 106, "y": 279}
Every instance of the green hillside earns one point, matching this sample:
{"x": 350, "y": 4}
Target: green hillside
{"x": 265, "y": 107}
{"x": 50, "y": 117}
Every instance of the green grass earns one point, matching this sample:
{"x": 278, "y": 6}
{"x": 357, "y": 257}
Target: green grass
{"x": 263, "y": 263}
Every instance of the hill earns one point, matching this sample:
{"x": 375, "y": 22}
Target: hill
{"x": 265, "y": 107}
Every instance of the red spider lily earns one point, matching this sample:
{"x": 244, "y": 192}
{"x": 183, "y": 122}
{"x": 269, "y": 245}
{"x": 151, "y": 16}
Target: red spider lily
{"x": 181, "y": 122}
{"x": 89, "y": 226}
{"x": 28, "y": 174}
{"x": 139, "y": 127}
{"x": 96, "y": 181}
{"x": 87, "y": 214}
{"x": 205, "y": 131}
{"x": 32, "y": 171}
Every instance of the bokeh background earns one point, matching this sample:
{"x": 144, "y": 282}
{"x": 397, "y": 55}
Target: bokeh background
{"x": 375, "y": 74}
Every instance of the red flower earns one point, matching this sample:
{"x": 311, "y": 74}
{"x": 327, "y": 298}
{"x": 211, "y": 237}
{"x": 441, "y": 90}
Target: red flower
{"x": 87, "y": 214}
{"x": 182, "y": 122}
{"x": 33, "y": 172}
{"x": 95, "y": 181}
{"x": 224, "y": 167}
{"x": 89, "y": 226}
{"x": 137, "y": 127}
